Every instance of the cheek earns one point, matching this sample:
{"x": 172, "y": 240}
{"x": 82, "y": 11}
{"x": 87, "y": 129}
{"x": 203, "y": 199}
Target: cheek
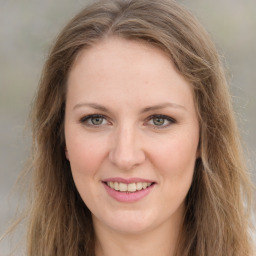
{"x": 177, "y": 153}
{"x": 85, "y": 154}
{"x": 175, "y": 161}
{"x": 85, "y": 157}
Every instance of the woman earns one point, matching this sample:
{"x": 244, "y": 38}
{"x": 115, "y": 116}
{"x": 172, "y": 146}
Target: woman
{"x": 136, "y": 150}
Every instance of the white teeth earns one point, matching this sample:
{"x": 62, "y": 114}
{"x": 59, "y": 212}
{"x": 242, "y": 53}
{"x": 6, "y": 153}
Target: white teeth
{"x": 111, "y": 184}
{"x": 123, "y": 187}
{"x": 116, "y": 186}
{"x": 139, "y": 186}
{"x": 144, "y": 185}
{"x": 131, "y": 187}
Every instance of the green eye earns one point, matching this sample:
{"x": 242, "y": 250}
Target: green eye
{"x": 94, "y": 120}
{"x": 97, "y": 120}
{"x": 158, "y": 121}
{"x": 161, "y": 121}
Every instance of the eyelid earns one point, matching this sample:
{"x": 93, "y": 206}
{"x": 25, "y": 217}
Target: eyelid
{"x": 168, "y": 118}
{"x": 84, "y": 120}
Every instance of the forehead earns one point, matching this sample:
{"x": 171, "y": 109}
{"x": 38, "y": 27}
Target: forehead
{"x": 117, "y": 50}
{"x": 126, "y": 68}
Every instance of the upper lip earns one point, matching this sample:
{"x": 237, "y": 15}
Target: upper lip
{"x": 127, "y": 181}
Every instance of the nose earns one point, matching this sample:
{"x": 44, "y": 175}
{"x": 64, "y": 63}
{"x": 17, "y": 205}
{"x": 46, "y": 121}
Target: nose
{"x": 126, "y": 151}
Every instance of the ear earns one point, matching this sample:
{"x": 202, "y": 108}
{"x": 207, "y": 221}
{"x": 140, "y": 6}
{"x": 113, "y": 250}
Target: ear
{"x": 66, "y": 153}
{"x": 198, "y": 153}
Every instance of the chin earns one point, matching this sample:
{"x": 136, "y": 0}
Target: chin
{"x": 131, "y": 228}
{"x": 129, "y": 222}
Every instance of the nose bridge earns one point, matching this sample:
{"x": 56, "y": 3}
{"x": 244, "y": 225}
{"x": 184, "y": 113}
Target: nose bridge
{"x": 126, "y": 151}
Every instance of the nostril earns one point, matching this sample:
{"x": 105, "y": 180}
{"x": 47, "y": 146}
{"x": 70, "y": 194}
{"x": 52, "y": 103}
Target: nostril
{"x": 126, "y": 160}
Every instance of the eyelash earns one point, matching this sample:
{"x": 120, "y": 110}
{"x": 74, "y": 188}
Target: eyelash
{"x": 86, "y": 119}
{"x": 165, "y": 118}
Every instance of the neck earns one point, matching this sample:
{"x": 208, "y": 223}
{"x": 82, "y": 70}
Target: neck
{"x": 159, "y": 241}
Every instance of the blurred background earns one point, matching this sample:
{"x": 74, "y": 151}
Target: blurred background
{"x": 27, "y": 30}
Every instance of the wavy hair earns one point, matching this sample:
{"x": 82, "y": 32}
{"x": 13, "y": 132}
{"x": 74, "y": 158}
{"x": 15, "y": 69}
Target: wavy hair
{"x": 217, "y": 215}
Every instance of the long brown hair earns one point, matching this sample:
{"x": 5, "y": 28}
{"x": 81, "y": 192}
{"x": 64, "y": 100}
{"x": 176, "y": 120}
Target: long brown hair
{"x": 218, "y": 203}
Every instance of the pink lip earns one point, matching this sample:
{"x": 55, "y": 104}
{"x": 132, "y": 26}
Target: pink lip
{"x": 127, "y": 197}
{"x": 127, "y": 181}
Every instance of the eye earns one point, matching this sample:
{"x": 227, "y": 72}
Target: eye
{"x": 160, "y": 121}
{"x": 94, "y": 120}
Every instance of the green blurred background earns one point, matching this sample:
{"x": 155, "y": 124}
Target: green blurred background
{"x": 27, "y": 30}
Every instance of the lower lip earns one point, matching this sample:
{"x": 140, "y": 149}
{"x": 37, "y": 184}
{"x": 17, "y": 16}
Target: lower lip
{"x": 128, "y": 197}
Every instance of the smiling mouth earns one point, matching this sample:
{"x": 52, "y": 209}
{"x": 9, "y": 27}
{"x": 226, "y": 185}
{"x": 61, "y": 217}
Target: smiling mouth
{"x": 130, "y": 187}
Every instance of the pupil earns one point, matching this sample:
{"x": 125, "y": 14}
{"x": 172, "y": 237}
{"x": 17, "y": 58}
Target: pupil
{"x": 97, "y": 120}
{"x": 158, "y": 121}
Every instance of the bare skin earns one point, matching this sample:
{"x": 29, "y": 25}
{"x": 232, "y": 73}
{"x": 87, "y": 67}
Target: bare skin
{"x": 131, "y": 116}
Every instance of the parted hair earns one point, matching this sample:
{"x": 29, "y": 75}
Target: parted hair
{"x": 217, "y": 215}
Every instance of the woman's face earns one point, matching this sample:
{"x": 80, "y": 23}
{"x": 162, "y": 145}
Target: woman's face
{"x": 132, "y": 135}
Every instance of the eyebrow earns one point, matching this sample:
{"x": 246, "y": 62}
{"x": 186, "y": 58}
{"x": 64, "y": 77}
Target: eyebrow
{"x": 161, "y": 106}
{"x": 144, "y": 110}
{"x": 92, "y": 105}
